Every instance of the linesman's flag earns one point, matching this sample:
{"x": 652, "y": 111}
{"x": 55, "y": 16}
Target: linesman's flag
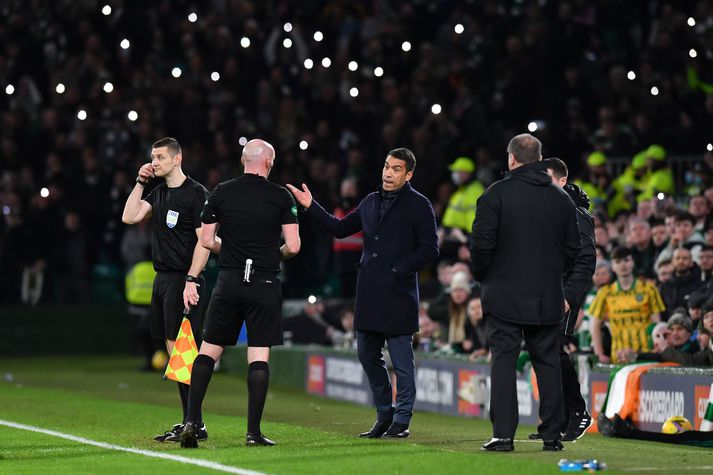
{"x": 183, "y": 355}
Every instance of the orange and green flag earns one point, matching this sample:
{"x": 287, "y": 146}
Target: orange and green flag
{"x": 183, "y": 355}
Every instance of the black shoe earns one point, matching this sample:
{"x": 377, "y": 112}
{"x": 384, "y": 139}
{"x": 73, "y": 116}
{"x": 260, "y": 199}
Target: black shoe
{"x": 396, "y": 431}
{"x": 605, "y": 426}
{"x": 377, "y": 430}
{"x": 175, "y": 430}
{"x": 623, "y": 427}
{"x": 257, "y": 439}
{"x": 552, "y": 445}
{"x": 535, "y": 436}
{"x": 201, "y": 434}
{"x": 498, "y": 445}
{"x": 189, "y": 435}
{"x": 578, "y": 424}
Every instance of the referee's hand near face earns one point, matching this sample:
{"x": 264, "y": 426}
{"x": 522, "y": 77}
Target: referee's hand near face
{"x": 173, "y": 208}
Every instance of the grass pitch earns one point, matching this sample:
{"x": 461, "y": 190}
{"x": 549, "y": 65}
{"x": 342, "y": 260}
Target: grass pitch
{"x": 104, "y": 399}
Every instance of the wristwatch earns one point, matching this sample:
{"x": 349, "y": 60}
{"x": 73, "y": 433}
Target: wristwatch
{"x": 140, "y": 182}
{"x": 190, "y": 278}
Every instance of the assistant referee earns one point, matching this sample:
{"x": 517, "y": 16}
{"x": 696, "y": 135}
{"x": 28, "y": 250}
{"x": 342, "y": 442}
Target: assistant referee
{"x": 174, "y": 207}
{"x": 252, "y": 213}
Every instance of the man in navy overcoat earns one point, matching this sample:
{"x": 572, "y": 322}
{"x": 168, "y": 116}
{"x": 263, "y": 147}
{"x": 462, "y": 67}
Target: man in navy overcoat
{"x": 399, "y": 228}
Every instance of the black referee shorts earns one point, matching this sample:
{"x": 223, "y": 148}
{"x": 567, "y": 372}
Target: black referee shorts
{"x": 167, "y": 306}
{"x": 258, "y": 304}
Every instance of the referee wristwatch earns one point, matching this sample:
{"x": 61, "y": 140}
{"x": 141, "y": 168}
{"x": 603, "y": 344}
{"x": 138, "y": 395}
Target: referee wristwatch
{"x": 141, "y": 182}
{"x": 190, "y": 278}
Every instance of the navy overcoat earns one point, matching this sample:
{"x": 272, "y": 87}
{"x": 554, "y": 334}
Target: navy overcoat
{"x": 396, "y": 248}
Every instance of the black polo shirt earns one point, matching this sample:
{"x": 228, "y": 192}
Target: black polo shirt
{"x": 251, "y": 211}
{"x": 174, "y": 220}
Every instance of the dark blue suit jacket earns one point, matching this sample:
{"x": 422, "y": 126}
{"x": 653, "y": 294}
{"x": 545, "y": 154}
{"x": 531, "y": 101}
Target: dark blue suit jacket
{"x": 395, "y": 250}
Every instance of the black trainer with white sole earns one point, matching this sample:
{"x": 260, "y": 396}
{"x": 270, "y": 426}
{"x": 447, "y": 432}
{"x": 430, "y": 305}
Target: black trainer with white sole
{"x": 578, "y": 424}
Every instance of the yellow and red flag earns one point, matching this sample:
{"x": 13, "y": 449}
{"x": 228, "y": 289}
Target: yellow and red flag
{"x": 183, "y": 355}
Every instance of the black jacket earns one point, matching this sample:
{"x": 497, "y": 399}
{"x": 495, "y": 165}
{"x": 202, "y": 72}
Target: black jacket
{"x": 524, "y": 236}
{"x": 396, "y": 248}
{"x": 676, "y": 291}
{"x": 578, "y": 278}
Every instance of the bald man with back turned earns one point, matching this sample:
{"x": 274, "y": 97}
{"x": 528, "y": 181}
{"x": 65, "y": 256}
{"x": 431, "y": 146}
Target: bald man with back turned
{"x": 252, "y": 213}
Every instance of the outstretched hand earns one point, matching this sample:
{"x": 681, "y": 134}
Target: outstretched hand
{"x": 303, "y": 196}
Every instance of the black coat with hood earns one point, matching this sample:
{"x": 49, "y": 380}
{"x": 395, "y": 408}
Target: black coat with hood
{"x": 525, "y": 236}
{"x": 578, "y": 278}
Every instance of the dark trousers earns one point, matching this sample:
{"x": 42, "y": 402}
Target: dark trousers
{"x": 370, "y": 347}
{"x": 543, "y": 344}
{"x": 573, "y": 400}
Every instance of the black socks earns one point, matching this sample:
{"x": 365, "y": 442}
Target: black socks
{"x": 258, "y": 380}
{"x": 200, "y": 377}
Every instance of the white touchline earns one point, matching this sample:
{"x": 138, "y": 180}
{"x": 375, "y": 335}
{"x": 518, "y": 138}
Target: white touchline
{"x": 147, "y": 453}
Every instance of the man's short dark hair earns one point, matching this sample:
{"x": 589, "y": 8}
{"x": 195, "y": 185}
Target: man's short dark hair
{"x": 664, "y": 262}
{"x": 558, "y": 167}
{"x": 620, "y": 253}
{"x": 656, "y": 222}
{"x": 406, "y": 155}
{"x": 525, "y": 148}
{"x": 684, "y": 216}
{"x": 706, "y": 247}
{"x": 174, "y": 148}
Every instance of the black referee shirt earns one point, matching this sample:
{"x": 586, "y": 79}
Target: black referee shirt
{"x": 175, "y": 217}
{"x": 250, "y": 211}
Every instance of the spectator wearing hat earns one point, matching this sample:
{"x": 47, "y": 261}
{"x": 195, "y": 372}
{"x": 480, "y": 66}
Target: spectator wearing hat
{"x": 681, "y": 328}
{"x": 628, "y": 185}
{"x": 661, "y": 178}
{"x": 695, "y": 303}
{"x": 457, "y": 310}
{"x": 599, "y": 184}
{"x": 459, "y": 215}
{"x": 636, "y": 174}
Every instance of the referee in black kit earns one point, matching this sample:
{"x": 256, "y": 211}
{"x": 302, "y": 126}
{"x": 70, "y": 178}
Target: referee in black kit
{"x": 174, "y": 207}
{"x": 252, "y": 212}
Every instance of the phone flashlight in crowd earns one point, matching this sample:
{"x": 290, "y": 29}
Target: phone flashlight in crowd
{"x": 660, "y": 196}
{"x": 248, "y": 270}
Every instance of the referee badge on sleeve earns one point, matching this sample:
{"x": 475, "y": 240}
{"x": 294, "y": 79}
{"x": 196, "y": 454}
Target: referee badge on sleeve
{"x": 171, "y": 218}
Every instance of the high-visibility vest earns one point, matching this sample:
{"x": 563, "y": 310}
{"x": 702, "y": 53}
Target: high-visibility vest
{"x": 625, "y": 184}
{"x": 660, "y": 181}
{"x": 355, "y": 242}
{"x": 461, "y": 207}
{"x": 139, "y": 283}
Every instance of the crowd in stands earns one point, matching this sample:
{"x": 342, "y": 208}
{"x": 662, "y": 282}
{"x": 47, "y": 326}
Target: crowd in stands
{"x": 596, "y": 81}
